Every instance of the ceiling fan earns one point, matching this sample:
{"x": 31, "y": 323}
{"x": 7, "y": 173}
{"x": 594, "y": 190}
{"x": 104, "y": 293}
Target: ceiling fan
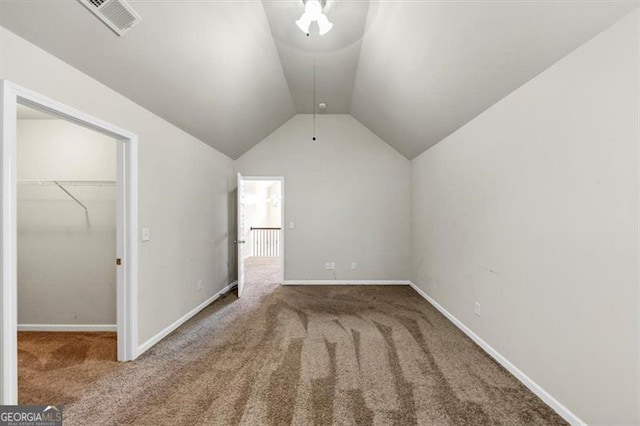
{"x": 313, "y": 13}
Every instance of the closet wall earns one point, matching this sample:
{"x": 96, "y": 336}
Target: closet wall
{"x": 66, "y": 272}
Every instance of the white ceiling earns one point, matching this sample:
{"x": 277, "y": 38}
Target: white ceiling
{"x": 231, "y": 72}
{"x": 209, "y": 67}
{"x": 426, "y": 68}
{"x": 336, "y": 53}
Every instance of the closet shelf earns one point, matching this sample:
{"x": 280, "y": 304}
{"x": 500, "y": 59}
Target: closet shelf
{"x": 64, "y": 184}
{"x": 67, "y": 182}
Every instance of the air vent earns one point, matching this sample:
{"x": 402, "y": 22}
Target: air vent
{"x": 117, "y": 14}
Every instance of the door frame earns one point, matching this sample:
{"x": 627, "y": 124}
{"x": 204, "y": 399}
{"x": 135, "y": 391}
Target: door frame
{"x": 126, "y": 217}
{"x": 282, "y": 217}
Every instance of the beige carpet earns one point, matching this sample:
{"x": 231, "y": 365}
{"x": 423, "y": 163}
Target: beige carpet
{"x": 57, "y": 368}
{"x": 312, "y": 355}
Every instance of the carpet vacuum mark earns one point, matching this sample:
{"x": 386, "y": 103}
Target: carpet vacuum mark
{"x": 312, "y": 355}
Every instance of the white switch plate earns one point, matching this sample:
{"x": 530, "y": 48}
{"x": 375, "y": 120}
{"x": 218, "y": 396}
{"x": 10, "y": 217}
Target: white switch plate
{"x": 292, "y": 225}
{"x": 353, "y": 265}
{"x": 146, "y": 234}
{"x": 476, "y": 308}
{"x": 327, "y": 265}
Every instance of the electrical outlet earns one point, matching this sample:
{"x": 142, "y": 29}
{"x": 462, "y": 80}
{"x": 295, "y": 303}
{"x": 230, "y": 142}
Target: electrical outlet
{"x": 199, "y": 284}
{"x": 327, "y": 266}
{"x": 292, "y": 225}
{"x": 353, "y": 265}
{"x": 476, "y": 308}
{"x": 333, "y": 265}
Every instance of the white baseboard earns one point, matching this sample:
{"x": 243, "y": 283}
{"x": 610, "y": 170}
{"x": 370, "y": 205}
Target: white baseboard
{"x": 558, "y": 407}
{"x": 346, "y": 282}
{"x": 68, "y": 327}
{"x": 162, "y": 334}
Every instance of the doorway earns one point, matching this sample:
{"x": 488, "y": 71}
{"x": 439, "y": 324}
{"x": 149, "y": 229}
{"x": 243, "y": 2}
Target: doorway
{"x": 260, "y": 232}
{"x": 124, "y": 189}
{"x": 66, "y": 246}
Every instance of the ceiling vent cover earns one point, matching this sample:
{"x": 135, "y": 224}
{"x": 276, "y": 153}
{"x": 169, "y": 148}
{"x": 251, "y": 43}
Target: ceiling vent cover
{"x": 117, "y": 14}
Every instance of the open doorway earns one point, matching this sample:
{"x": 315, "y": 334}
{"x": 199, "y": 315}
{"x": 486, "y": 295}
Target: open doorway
{"x": 260, "y": 232}
{"x": 66, "y": 251}
{"x": 79, "y": 206}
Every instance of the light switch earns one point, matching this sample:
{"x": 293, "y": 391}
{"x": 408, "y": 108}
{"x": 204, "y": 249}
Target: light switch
{"x": 146, "y": 234}
{"x": 292, "y": 225}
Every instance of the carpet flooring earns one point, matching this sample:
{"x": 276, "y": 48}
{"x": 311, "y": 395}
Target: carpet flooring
{"x": 56, "y": 368}
{"x": 303, "y": 355}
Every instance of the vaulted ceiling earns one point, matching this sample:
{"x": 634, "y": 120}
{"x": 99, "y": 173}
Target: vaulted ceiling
{"x": 230, "y": 73}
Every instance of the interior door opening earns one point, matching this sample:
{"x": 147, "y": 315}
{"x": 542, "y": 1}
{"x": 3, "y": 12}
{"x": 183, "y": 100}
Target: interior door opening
{"x": 79, "y": 207}
{"x": 260, "y": 232}
{"x": 66, "y": 251}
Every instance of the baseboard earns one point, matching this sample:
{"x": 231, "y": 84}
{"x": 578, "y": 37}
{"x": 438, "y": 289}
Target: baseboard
{"x": 67, "y": 327}
{"x": 346, "y": 282}
{"x": 558, "y": 407}
{"x": 162, "y": 334}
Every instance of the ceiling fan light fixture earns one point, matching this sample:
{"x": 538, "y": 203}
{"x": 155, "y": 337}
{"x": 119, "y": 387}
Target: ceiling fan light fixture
{"x": 313, "y": 12}
{"x": 324, "y": 26}
{"x": 313, "y": 9}
{"x": 304, "y": 23}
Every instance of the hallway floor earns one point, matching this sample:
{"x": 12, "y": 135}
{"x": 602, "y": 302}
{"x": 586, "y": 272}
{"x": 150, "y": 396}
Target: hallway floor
{"x": 312, "y": 355}
{"x": 261, "y": 271}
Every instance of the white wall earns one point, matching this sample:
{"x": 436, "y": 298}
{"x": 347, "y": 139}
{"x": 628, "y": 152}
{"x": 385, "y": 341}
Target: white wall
{"x": 66, "y": 269}
{"x": 184, "y": 187}
{"x": 61, "y": 150}
{"x": 531, "y": 209}
{"x": 348, "y": 194}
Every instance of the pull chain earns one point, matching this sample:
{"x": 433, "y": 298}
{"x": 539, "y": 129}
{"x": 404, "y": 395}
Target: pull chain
{"x": 314, "y": 95}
